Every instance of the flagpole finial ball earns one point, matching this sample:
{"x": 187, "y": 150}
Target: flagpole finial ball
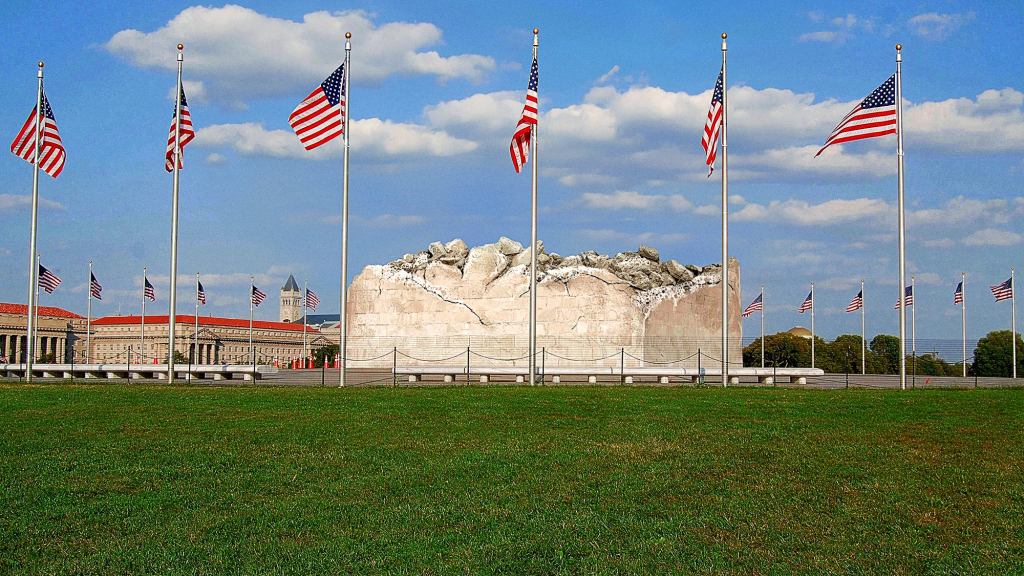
{"x": 536, "y": 30}
{"x": 181, "y": 46}
{"x": 899, "y": 46}
{"x": 724, "y": 35}
{"x": 348, "y": 35}
{"x": 41, "y": 64}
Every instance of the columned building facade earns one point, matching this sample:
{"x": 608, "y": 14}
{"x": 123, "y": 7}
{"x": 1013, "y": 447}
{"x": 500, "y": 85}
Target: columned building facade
{"x": 58, "y": 331}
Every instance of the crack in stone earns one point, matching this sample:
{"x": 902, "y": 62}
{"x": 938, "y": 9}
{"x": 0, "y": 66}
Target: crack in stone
{"x": 577, "y": 323}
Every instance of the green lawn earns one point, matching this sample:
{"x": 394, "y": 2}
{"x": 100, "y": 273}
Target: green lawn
{"x": 139, "y": 480}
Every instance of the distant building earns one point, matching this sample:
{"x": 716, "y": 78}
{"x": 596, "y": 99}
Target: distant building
{"x": 800, "y": 331}
{"x": 58, "y": 331}
{"x": 291, "y": 301}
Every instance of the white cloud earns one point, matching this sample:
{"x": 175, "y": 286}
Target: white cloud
{"x": 821, "y": 36}
{"x": 992, "y": 122}
{"x": 938, "y": 243}
{"x": 993, "y": 237}
{"x": 215, "y": 158}
{"x": 937, "y": 26}
{"x": 959, "y": 211}
{"x": 12, "y": 202}
{"x": 609, "y": 74}
{"x": 806, "y": 214}
{"x": 481, "y": 115}
{"x": 372, "y": 136}
{"x": 630, "y": 200}
{"x": 239, "y": 53}
{"x": 609, "y": 235}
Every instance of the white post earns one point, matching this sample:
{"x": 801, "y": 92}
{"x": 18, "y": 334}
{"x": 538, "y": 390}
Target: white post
{"x": 142, "y": 338}
{"x": 88, "y": 319}
{"x": 963, "y": 317}
{"x": 172, "y": 306}
{"x": 252, "y": 289}
{"x": 305, "y": 291}
{"x": 863, "y": 334}
{"x": 725, "y": 219}
{"x": 902, "y": 235}
{"x": 812, "y": 324}
{"x": 913, "y": 323}
{"x": 1013, "y": 323}
{"x": 35, "y": 334}
{"x": 33, "y": 268}
{"x": 762, "y": 326}
{"x": 343, "y": 319}
{"x": 533, "y": 235}
{"x": 195, "y": 351}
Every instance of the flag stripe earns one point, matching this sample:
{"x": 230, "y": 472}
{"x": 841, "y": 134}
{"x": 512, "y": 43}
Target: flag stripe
{"x": 51, "y": 150}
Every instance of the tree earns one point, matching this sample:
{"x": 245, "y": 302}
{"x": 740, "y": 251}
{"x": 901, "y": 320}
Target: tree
{"x": 780, "y": 350}
{"x": 887, "y": 348}
{"x": 324, "y": 353}
{"x": 840, "y": 356}
{"x": 993, "y": 356}
{"x": 179, "y": 358}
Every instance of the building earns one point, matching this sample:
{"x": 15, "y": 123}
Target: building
{"x": 291, "y": 301}
{"x": 221, "y": 340}
{"x": 59, "y": 329}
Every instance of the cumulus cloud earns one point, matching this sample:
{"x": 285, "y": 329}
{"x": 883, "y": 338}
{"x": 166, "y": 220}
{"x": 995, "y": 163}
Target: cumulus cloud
{"x": 239, "y": 53}
{"x": 993, "y": 237}
{"x": 13, "y": 202}
{"x": 807, "y": 214}
{"x": 938, "y": 26}
{"x": 630, "y": 200}
{"x": 372, "y": 136}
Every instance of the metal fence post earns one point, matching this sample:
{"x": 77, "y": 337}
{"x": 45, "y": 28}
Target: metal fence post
{"x": 700, "y": 378}
{"x": 394, "y": 366}
{"x": 323, "y": 371}
{"x": 543, "y": 360}
{"x": 622, "y": 365}
{"x": 467, "y": 365}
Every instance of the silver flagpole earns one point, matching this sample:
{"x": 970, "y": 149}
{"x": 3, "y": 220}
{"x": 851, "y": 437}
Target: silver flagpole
{"x": 35, "y": 334}
{"x": 725, "y": 219}
{"x": 176, "y": 157}
{"x": 863, "y": 334}
{"x": 963, "y": 317}
{"x": 305, "y": 290}
{"x": 913, "y": 324}
{"x": 251, "y": 291}
{"x": 902, "y": 235}
{"x": 195, "y": 351}
{"x": 88, "y": 318}
{"x": 533, "y": 236}
{"x": 33, "y": 269}
{"x": 812, "y": 324}
{"x": 142, "y": 338}
{"x": 343, "y": 298}
{"x": 1013, "y": 323}
{"x": 762, "y": 326}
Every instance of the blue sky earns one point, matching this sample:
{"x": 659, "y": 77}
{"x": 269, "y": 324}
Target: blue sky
{"x": 436, "y": 94}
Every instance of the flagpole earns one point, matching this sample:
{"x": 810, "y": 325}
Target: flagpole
{"x": 902, "y": 235}
{"x": 1013, "y": 323}
{"x": 176, "y": 157}
{"x": 33, "y": 270}
{"x": 762, "y": 326}
{"x": 142, "y": 338}
{"x": 963, "y": 317}
{"x": 35, "y": 334}
{"x": 88, "y": 318}
{"x": 913, "y": 325}
{"x": 725, "y": 219}
{"x": 195, "y": 351}
{"x": 343, "y": 320}
{"x": 863, "y": 334}
{"x": 533, "y": 235}
{"x": 305, "y": 290}
{"x": 252, "y": 287}
{"x": 812, "y": 324}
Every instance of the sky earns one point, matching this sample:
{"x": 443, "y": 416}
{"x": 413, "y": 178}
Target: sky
{"x": 436, "y": 93}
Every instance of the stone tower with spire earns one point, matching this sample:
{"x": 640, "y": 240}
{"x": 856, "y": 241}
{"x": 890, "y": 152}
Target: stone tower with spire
{"x": 291, "y": 301}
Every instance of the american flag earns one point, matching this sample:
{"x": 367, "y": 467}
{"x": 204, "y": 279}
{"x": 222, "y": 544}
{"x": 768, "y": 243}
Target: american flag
{"x": 520, "y": 147}
{"x": 187, "y": 134}
{"x": 857, "y": 303}
{"x": 200, "y": 293}
{"x": 1003, "y": 291}
{"x": 311, "y": 300}
{"x": 908, "y": 297}
{"x": 709, "y": 140}
{"x": 94, "y": 287}
{"x": 51, "y": 153}
{"x": 48, "y": 280}
{"x": 321, "y": 116}
{"x": 147, "y": 290}
{"x": 808, "y": 303}
{"x": 257, "y": 296}
{"x": 958, "y": 296}
{"x": 756, "y": 305}
{"x": 874, "y": 116}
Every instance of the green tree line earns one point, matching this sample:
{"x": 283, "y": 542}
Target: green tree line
{"x": 992, "y": 356}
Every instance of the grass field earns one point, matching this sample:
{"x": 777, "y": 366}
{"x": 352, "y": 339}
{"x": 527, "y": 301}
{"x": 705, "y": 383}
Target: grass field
{"x": 139, "y": 480}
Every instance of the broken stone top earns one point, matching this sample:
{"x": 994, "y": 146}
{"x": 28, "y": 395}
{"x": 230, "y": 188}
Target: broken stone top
{"x": 643, "y": 269}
